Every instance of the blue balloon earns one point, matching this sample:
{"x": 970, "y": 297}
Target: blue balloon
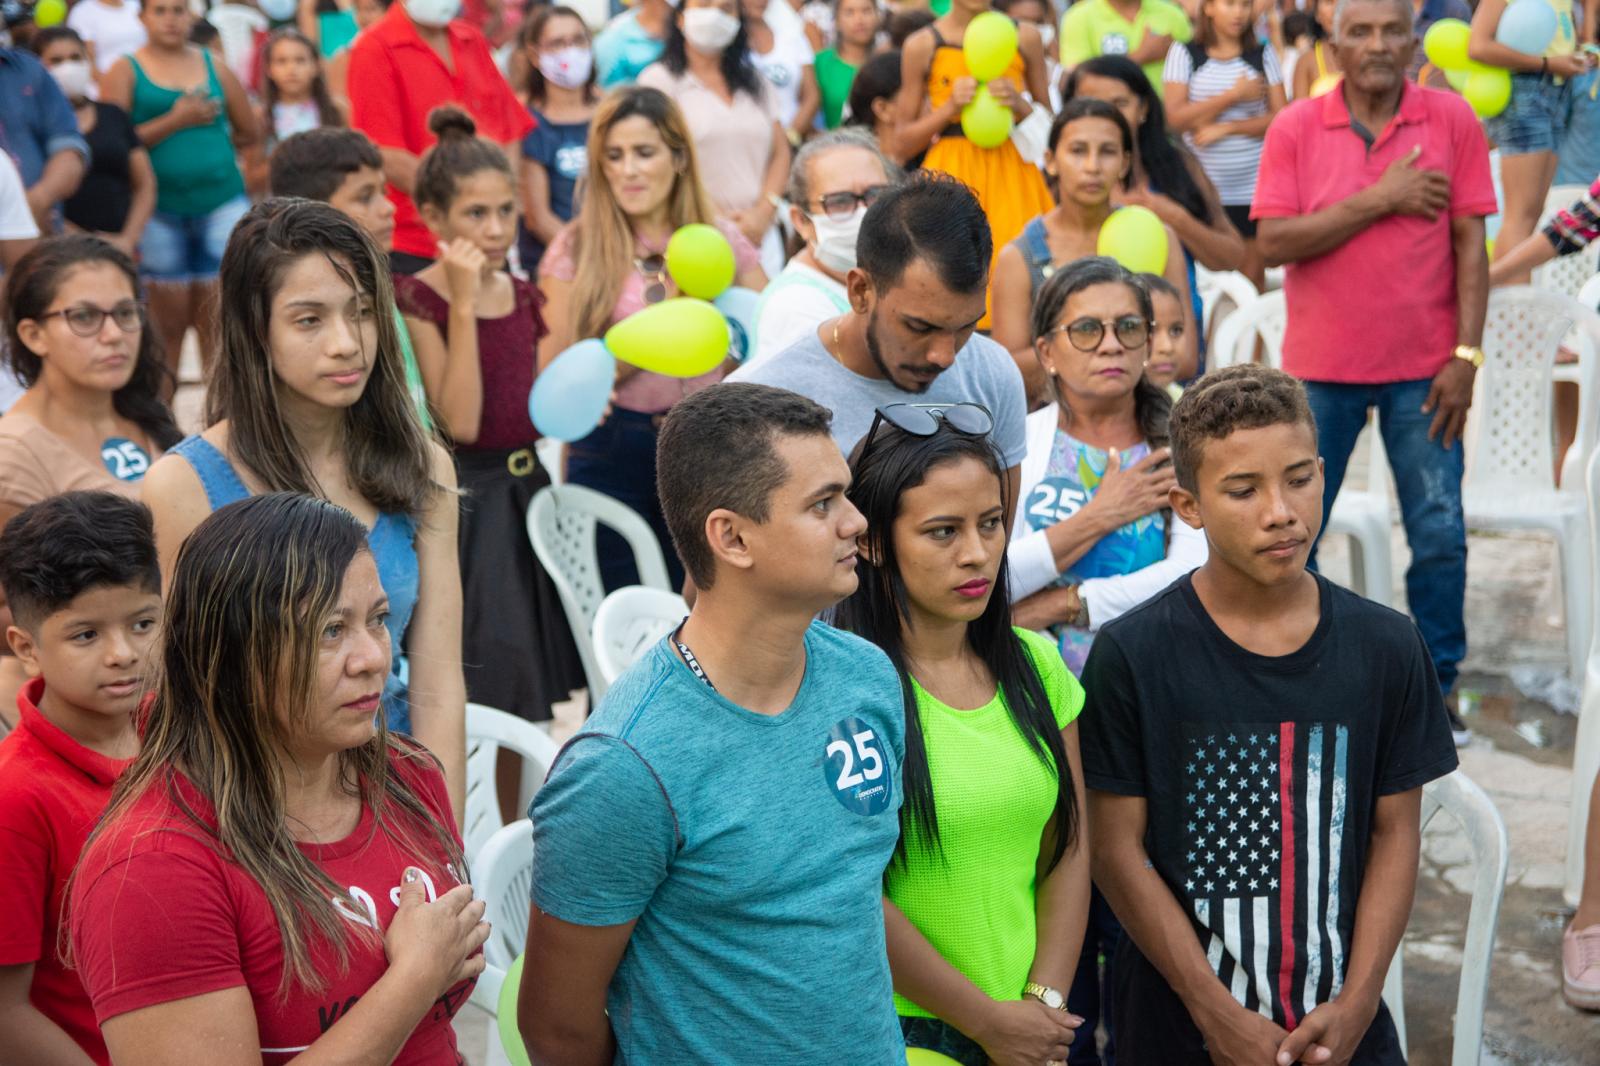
{"x": 571, "y": 394}
{"x": 1528, "y": 26}
{"x": 738, "y": 306}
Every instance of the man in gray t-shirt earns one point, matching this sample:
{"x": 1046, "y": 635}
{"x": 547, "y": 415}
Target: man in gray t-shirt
{"x": 916, "y": 295}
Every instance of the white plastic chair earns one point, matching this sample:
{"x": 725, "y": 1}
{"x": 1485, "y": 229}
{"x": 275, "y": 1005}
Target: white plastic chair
{"x": 1362, "y": 515}
{"x": 628, "y": 622}
{"x": 1510, "y": 481}
{"x": 1586, "y": 748}
{"x": 561, "y": 526}
{"x": 503, "y": 878}
{"x": 1566, "y": 274}
{"x": 488, "y": 731}
{"x": 1589, "y": 295}
{"x": 1217, "y": 286}
{"x": 1460, "y": 797}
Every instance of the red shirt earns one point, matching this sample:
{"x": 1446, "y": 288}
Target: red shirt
{"x": 401, "y": 79}
{"x": 52, "y": 791}
{"x": 1382, "y": 306}
{"x": 159, "y": 915}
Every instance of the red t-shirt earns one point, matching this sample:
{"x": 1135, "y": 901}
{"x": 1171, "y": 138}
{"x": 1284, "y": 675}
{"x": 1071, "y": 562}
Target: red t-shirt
{"x": 1382, "y": 306}
{"x": 159, "y": 915}
{"x": 401, "y": 79}
{"x": 52, "y": 791}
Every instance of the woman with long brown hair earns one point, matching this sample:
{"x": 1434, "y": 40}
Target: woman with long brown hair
{"x": 643, "y": 184}
{"x": 309, "y": 395}
{"x": 277, "y": 875}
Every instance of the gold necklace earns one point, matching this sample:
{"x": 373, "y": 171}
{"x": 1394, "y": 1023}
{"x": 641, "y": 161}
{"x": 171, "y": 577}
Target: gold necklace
{"x": 837, "y": 351}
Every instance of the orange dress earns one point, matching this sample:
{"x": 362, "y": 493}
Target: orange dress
{"x": 1010, "y": 189}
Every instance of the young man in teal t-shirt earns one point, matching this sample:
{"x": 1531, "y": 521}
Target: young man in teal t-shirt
{"x": 711, "y": 846}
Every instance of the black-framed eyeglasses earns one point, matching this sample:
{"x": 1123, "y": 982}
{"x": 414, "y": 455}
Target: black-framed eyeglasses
{"x": 924, "y": 420}
{"x": 839, "y": 206}
{"x": 1085, "y": 334}
{"x": 86, "y": 320}
{"x": 653, "y": 268}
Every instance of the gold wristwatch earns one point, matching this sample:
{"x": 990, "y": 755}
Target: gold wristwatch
{"x": 1470, "y": 353}
{"x": 1050, "y": 997}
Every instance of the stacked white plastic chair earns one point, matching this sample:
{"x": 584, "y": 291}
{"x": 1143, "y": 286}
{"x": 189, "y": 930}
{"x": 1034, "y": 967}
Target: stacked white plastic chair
{"x": 629, "y": 621}
{"x": 562, "y": 521}
{"x": 1216, "y": 287}
{"x": 488, "y": 732}
{"x": 1586, "y": 749}
{"x": 1510, "y": 480}
{"x": 1362, "y": 515}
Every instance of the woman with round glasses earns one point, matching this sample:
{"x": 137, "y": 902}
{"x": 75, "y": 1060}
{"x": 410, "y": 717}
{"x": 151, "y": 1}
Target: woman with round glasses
{"x": 609, "y": 262}
{"x": 92, "y": 416}
{"x": 1092, "y": 535}
{"x": 986, "y": 897}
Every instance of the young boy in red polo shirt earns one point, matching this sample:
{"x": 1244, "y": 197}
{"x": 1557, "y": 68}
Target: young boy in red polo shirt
{"x": 82, "y": 577}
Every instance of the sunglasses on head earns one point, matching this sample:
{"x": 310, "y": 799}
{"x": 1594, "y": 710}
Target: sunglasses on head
{"x": 924, "y": 420}
{"x": 653, "y": 269}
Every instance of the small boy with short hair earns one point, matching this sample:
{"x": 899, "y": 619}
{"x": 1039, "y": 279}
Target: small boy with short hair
{"x": 1255, "y": 742}
{"x": 81, "y": 574}
{"x": 343, "y": 169}
{"x": 1167, "y": 331}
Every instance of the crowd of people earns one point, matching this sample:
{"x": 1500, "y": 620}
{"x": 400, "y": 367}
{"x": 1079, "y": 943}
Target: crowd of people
{"x": 1011, "y": 720}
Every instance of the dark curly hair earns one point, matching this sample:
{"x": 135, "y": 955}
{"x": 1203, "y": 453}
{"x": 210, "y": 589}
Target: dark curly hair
{"x": 1224, "y": 401}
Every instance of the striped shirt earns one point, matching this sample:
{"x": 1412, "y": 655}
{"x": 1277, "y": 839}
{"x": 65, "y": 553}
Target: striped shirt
{"x": 1231, "y": 162}
{"x": 1572, "y": 229}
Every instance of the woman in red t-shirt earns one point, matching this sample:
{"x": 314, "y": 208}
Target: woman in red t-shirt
{"x": 276, "y": 877}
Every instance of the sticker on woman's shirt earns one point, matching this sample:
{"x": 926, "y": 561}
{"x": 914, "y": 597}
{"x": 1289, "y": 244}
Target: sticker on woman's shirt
{"x": 125, "y": 459}
{"x": 856, "y": 769}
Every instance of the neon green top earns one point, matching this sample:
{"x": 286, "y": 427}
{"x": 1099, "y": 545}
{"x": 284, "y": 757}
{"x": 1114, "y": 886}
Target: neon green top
{"x": 408, "y": 355}
{"x": 1093, "y": 28}
{"x": 993, "y": 796}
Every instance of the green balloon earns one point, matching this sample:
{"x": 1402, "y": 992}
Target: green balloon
{"x": 1457, "y": 79}
{"x": 989, "y": 46}
{"x": 921, "y": 1056}
{"x": 1135, "y": 237}
{"x": 700, "y": 260}
{"x": 506, "y": 1016}
{"x": 682, "y": 338}
{"x": 986, "y": 122}
{"x": 1488, "y": 90}
{"x": 1445, "y": 44}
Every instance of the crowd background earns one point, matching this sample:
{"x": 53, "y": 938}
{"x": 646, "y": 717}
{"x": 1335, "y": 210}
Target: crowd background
{"x": 498, "y": 180}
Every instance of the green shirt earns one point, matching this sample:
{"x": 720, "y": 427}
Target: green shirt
{"x": 994, "y": 796}
{"x": 1093, "y": 28}
{"x": 834, "y": 78}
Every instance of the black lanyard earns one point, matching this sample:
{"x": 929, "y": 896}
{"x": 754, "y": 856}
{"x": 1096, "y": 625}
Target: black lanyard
{"x": 688, "y": 658}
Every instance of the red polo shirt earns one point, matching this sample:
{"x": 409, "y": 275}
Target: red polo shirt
{"x": 1381, "y": 307}
{"x": 52, "y": 791}
{"x": 396, "y": 79}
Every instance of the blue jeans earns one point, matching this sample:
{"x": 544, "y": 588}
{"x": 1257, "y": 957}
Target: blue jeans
{"x": 1428, "y": 481}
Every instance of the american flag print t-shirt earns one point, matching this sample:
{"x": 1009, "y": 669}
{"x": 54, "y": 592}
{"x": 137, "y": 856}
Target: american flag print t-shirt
{"x": 1261, "y": 775}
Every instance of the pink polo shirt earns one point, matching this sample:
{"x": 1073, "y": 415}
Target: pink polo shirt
{"x": 1381, "y": 307}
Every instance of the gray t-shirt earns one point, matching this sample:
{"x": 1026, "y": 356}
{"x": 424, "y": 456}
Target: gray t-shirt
{"x": 982, "y": 373}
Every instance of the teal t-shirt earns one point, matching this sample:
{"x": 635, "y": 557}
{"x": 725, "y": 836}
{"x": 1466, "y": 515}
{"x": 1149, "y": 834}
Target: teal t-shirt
{"x": 623, "y": 49}
{"x": 750, "y": 849}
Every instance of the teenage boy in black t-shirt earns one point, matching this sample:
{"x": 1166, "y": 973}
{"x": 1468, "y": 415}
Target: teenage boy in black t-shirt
{"x": 1255, "y": 744}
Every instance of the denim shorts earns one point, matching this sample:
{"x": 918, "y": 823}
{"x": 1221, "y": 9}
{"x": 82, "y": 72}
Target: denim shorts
{"x": 1536, "y": 118}
{"x": 188, "y": 248}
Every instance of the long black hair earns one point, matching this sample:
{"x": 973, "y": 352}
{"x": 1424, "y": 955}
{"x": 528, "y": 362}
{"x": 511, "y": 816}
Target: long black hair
{"x": 878, "y": 610}
{"x": 31, "y": 286}
{"x": 1165, "y": 161}
{"x": 738, "y": 69}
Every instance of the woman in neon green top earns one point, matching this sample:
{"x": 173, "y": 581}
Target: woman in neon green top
{"x": 988, "y": 893}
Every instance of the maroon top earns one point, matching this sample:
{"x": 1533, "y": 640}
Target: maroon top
{"x": 507, "y": 352}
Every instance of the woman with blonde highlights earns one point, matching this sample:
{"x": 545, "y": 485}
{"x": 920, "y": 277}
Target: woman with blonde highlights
{"x": 277, "y": 875}
{"x": 309, "y": 395}
{"x": 609, "y": 262}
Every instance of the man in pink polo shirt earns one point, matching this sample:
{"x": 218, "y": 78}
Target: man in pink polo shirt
{"x": 1374, "y": 196}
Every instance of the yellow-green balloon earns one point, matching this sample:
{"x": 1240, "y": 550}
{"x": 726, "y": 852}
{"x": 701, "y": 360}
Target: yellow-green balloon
{"x": 1135, "y": 237}
{"x": 506, "y": 1016}
{"x": 1488, "y": 90}
{"x": 49, "y": 13}
{"x": 921, "y": 1056}
{"x": 682, "y": 338}
{"x": 1457, "y": 78}
{"x": 1325, "y": 84}
{"x": 700, "y": 260}
{"x": 989, "y": 45}
{"x": 986, "y": 122}
{"x": 1445, "y": 44}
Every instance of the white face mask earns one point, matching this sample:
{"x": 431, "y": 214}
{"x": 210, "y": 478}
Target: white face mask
{"x": 835, "y": 243}
{"x": 73, "y": 77}
{"x": 709, "y": 29}
{"x": 567, "y": 67}
{"x": 434, "y": 13}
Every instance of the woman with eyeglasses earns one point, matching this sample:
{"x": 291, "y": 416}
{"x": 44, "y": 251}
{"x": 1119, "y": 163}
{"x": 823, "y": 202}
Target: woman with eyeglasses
{"x": 1090, "y": 158}
{"x": 92, "y": 416}
{"x": 986, "y": 897}
{"x": 643, "y": 184}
